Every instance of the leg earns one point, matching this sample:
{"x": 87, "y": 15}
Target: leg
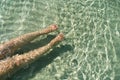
{"x": 9, "y": 47}
{"x": 11, "y": 65}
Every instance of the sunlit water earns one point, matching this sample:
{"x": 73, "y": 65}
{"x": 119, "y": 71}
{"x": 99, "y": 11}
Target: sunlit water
{"x": 91, "y": 47}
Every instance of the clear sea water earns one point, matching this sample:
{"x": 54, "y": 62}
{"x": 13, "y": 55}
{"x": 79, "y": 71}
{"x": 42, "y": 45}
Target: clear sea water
{"x": 90, "y": 50}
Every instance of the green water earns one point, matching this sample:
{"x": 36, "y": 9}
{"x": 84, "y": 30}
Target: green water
{"x": 91, "y": 47}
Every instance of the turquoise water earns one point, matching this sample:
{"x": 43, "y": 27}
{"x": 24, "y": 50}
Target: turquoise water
{"x": 91, "y": 47}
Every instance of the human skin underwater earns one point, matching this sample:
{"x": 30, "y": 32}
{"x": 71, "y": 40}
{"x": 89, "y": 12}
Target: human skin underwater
{"x": 10, "y": 63}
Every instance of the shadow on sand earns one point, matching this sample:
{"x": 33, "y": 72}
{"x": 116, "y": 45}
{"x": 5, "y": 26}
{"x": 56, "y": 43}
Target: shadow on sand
{"x": 42, "y": 62}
